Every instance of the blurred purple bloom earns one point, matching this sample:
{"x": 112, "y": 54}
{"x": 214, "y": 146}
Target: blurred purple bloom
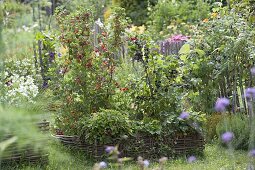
{"x": 250, "y": 167}
{"x": 227, "y": 137}
{"x": 109, "y": 149}
{"x": 146, "y": 163}
{"x": 252, "y": 153}
{"x": 103, "y": 165}
{"x": 253, "y": 71}
{"x": 249, "y": 93}
{"x": 191, "y": 159}
{"x": 184, "y": 115}
{"x": 221, "y": 104}
{"x": 59, "y": 55}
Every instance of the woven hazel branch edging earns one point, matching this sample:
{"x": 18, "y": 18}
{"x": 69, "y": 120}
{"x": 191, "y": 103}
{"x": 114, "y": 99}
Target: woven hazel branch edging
{"x": 14, "y": 154}
{"x": 144, "y": 146}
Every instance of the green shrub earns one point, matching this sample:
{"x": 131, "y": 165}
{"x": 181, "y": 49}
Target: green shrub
{"x": 239, "y": 125}
{"x": 106, "y": 126}
{"x": 167, "y": 13}
{"x": 1, "y": 29}
{"x": 137, "y": 10}
{"x": 210, "y": 126}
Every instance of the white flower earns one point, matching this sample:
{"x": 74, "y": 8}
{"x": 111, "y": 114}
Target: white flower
{"x": 146, "y": 163}
{"x": 99, "y": 23}
{"x": 103, "y": 165}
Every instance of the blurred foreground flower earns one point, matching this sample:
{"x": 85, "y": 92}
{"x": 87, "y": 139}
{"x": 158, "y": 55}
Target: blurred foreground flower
{"x": 249, "y": 93}
{"x": 101, "y": 165}
{"x": 221, "y": 104}
{"x": 109, "y": 149}
{"x": 191, "y": 159}
{"x": 146, "y": 163}
{"x": 227, "y": 137}
{"x": 253, "y": 71}
{"x": 252, "y": 153}
{"x": 142, "y": 163}
{"x": 184, "y": 115}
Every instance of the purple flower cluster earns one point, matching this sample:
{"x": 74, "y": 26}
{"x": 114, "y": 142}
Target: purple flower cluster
{"x": 221, "y": 104}
{"x": 253, "y": 71}
{"x": 103, "y": 165}
{"x": 178, "y": 38}
{"x": 184, "y": 115}
{"x": 191, "y": 159}
{"x": 252, "y": 153}
{"x": 227, "y": 137}
{"x": 109, "y": 149}
{"x": 146, "y": 163}
{"x": 249, "y": 93}
{"x": 172, "y": 45}
{"x": 52, "y": 57}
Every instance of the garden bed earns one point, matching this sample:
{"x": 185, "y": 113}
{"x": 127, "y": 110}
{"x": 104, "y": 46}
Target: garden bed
{"x": 140, "y": 145}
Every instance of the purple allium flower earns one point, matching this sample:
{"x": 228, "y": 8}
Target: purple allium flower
{"x": 249, "y": 92}
{"x": 146, "y": 163}
{"x": 253, "y": 71}
{"x": 227, "y": 137}
{"x": 191, "y": 159}
{"x": 109, "y": 149}
{"x": 221, "y": 104}
{"x": 103, "y": 165}
{"x": 252, "y": 153}
{"x": 184, "y": 115}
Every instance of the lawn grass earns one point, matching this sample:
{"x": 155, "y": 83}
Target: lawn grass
{"x": 215, "y": 157}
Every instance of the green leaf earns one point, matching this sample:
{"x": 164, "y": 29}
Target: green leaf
{"x": 200, "y": 52}
{"x": 183, "y": 57}
{"x": 6, "y": 143}
{"x": 185, "y": 49}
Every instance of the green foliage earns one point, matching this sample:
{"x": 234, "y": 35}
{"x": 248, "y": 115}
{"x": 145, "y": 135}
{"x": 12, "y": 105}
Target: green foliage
{"x": 220, "y": 60}
{"x": 21, "y": 125}
{"x": 15, "y": 13}
{"x": 239, "y": 125}
{"x": 210, "y": 126}
{"x": 106, "y": 127}
{"x": 1, "y": 29}
{"x": 176, "y": 13}
{"x": 137, "y": 10}
{"x": 97, "y": 6}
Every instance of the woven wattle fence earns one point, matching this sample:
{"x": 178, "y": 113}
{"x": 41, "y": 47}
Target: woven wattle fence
{"x": 16, "y": 154}
{"x": 140, "y": 145}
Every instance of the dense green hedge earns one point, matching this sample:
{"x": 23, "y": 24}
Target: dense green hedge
{"x": 178, "y": 12}
{"x": 136, "y": 9}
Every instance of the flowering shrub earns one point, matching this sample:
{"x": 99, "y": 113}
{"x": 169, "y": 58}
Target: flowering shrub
{"x": 19, "y": 83}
